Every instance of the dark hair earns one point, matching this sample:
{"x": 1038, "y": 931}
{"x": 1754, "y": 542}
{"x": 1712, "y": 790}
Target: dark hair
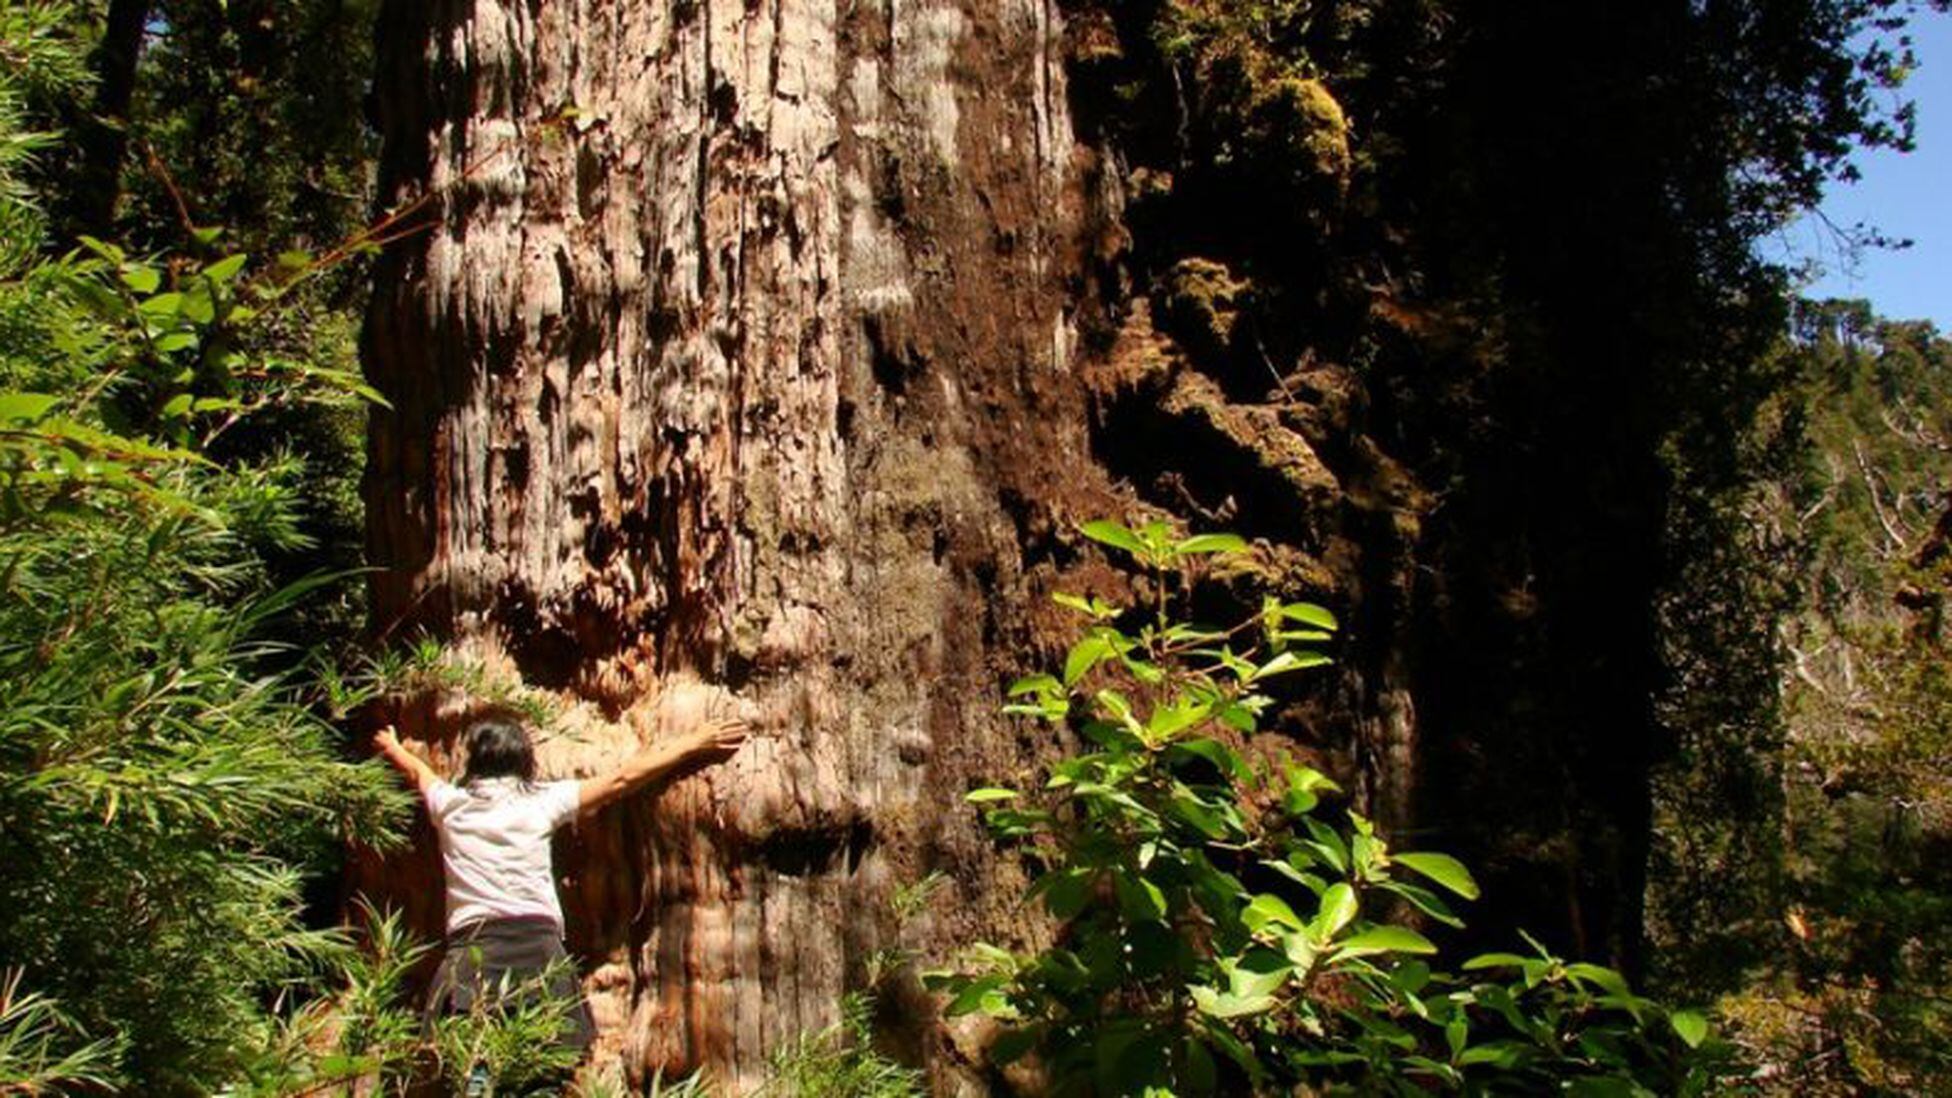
{"x": 499, "y": 749}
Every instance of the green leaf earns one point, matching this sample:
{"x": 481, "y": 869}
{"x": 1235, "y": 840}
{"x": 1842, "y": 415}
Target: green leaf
{"x": 361, "y": 390}
{"x": 1285, "y": 662}
{"x": 1424, "y": 900}
{"x": 1384, "y": 939}
{"x": 161, "y": 305}
{"x": 1301, "y": 797}
{"x": 1009, "y": 823}
{"x": 1211, "y": 543}
{"x": 981, "y": 796}
{"x": 1495, "y": 960}
{"x": 1500, "y": 1054}
{"x": 142, "y": 279}
{"x": 101, "y": 248}
{"x": 1106, "y": 532}
{"x": 1411, "y": 977}
{"x": 1309, "y": 614}
{"x": 1605, "y": 978}
{"x": 1168, "y": 721}
{"x": 1238, "y": 717}
{"x": 1223, "y": 758}
{"x": 225, "y": 269}
{"x": 1074, "y": 602}
{"x": 176, "y": 407}
{"x": 1122, "y": 1056}
{"x": 1441, "y": 868}
{"x": 198, "y": 306}
{"x": 1306, "y": 880}
{"x": 1328, "y": 845}
{"x": 1424, "y": 1065}
{"x": 1067, "y": 892}
{"x": 1157, "y": 537}
{"x": 1690, "y": 1026}
{"x": 993, "y": 957}
{"x": 1120, "y": 707}
{"x": 1365, "y": 850}
{"x": 1260, "y": 972}
{"x": 974, "y": 996}
{"x": 1084, "y": 656}
{"x": 1112, "y": 736}
{"x": 1237, "y": 1050}
{"x": 1339, "y": 908}
{"x": 1266, "y": 909}
{"x": 1225, "y": 1004}
{"x": 1139, "y": 898}
{"x": 1204, "y": 818}
{"x": 1035, "y": 684}
{"x": 25, "y": 407}
{"x": 1605, "y": 1086}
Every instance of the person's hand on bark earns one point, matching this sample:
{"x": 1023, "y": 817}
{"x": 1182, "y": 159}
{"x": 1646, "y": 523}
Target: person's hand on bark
{"x": 387, "y": 743}
{"x": 717, "y": 739}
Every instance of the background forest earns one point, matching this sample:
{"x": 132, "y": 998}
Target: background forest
{"x": 1657, "y": 551}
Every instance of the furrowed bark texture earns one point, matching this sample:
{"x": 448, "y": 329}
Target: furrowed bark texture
{"x": 738, "y": 364}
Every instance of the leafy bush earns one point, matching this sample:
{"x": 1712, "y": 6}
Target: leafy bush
{"x": 353, "y": 1024}
{"x": 164, "y": 780}
{"x": 39, "y": 1051}
{"x": 511, "y": 1037}
{"x": 1218, "y": 934}
{"x": 358, "y": 1026}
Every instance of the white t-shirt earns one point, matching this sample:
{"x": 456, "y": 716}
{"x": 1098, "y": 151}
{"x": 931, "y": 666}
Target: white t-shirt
{"x": 495, "y": 847}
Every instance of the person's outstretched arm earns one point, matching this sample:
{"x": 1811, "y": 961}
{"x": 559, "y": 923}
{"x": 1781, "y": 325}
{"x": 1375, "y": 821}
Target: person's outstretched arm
{"x": 406, "y": 762}
{"x": 712, "y": 742}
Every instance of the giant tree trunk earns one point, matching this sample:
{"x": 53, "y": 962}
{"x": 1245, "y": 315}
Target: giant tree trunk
{"x": 738, "y": 351}
{"x": 740, "y": 359}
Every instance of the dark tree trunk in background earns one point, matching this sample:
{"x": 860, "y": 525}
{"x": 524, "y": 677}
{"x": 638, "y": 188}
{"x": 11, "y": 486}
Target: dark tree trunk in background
{"x": 101, "y": 139}
{"x": 1539, "y": 653}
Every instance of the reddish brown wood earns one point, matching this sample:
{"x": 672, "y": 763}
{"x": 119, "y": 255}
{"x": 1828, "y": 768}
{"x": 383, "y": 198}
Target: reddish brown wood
{"x": 742, "y": 350}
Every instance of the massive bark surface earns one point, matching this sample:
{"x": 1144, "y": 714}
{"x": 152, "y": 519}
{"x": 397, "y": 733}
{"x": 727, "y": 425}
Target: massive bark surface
{"x": 740, "y": 363}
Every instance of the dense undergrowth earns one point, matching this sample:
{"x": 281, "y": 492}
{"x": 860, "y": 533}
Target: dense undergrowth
{"x": 167, "y": 781}
{"x": 1660, "y": 500}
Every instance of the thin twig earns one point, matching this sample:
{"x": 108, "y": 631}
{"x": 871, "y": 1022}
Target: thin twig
{"x": 163, "y": 176}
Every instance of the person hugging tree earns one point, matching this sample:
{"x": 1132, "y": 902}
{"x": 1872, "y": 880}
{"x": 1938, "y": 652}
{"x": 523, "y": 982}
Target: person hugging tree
{"x": 504, "y": 922}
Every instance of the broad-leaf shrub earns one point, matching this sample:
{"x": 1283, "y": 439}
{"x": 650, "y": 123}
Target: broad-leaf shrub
{"x": 1220, "y": 933}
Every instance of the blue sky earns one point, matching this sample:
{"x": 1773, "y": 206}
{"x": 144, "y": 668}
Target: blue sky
{"x": 1907, "y": 195}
